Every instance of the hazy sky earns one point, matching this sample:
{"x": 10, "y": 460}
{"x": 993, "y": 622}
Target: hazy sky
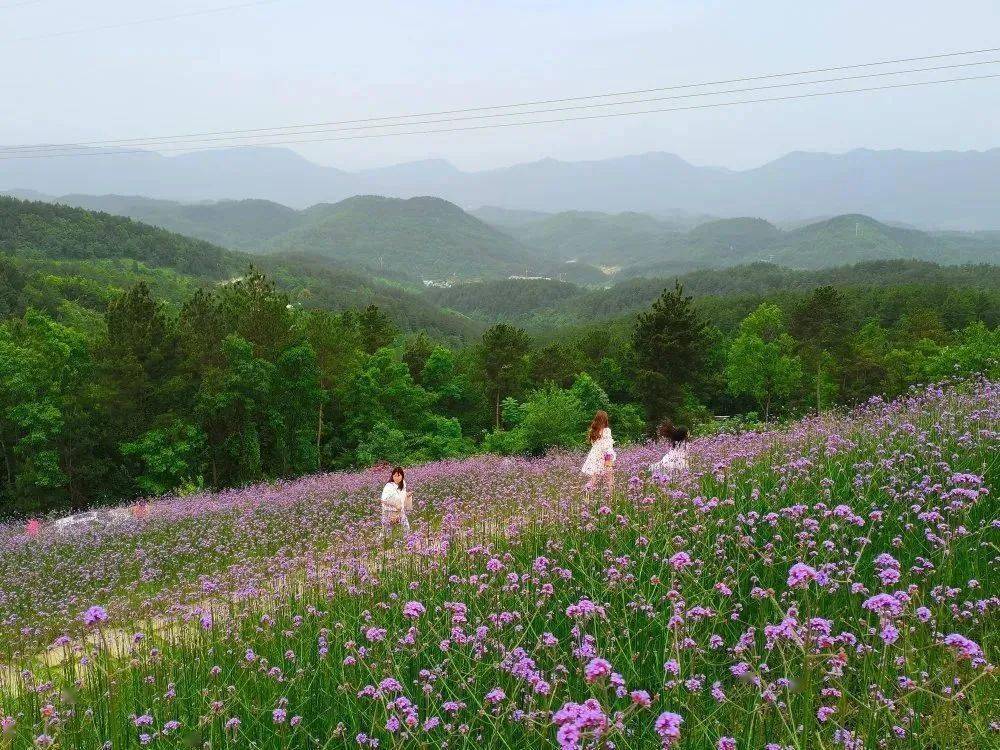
{"x": 294, "y": 61}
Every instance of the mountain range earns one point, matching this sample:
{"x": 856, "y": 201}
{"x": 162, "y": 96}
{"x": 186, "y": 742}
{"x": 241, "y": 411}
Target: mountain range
{"x": 431, "y": 239}
{"x": 412, "y": 239}
{"x": 943, "y": 190}
{"x": 70, "y": 262}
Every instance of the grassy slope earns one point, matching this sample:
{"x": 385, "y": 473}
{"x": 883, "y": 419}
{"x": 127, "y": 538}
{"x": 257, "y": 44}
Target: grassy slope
{"x": 667, "y": 568}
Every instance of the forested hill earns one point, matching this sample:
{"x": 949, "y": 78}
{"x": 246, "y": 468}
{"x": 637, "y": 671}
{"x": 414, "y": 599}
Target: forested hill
{"x": 69, "y": 261}
{"x": 642, "y": 245}
{"x": 424, "y": 237}
{"x": 418, "y": 238}
{"x": 136, "y": 361}
{"x": 543, "y": 303}
{"x": 49, "y": 231}
{"x": 241, "y": 225}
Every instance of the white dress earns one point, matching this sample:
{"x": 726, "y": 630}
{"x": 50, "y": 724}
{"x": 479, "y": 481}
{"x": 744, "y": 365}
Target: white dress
{"x": 393, "y": 499}
{"x": 674, "y": 461}
{"x": 603, "y": 446}
{"x": 394, "y": 508}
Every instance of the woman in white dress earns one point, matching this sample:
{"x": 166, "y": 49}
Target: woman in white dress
{"x": 675, "y": 460}
{"x": 396, "y": 501}
{"x": 600, "y": 462}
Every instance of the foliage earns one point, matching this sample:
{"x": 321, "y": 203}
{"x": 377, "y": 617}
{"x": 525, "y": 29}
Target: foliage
{"x": 671, "y": 346}
{"x": 128, "y": 369}
{"x": 762, "y": 363}
{"x": 44, "y": 368}
{"x": 552, "y": 417}
{"x": 168, "y": 457}
{"x": 503, "y": 354}
{"x": 55, "y": 231}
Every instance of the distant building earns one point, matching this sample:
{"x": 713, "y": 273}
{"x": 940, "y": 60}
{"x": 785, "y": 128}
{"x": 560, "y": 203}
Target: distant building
{"x": 531, "y": 278}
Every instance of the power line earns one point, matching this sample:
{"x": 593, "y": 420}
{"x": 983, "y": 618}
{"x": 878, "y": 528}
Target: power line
{"x": 142, "y": 21}
{"x": 230, "y": 138}
{"x": 11, "y": 6}
{"x": 538, "y": 102}
{"x": 603, "y": 115}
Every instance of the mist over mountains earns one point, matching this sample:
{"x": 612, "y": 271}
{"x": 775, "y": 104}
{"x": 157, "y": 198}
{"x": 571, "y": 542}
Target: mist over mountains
{"x": 941, "y": 190}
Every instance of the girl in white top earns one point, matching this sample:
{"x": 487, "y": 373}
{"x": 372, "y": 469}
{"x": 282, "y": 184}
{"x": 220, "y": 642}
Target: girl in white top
{"x": 675, "y": 460}
{"x": 600, "y": 460}
{"x": 396, "y": 501}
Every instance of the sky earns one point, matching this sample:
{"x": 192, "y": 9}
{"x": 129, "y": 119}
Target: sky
{"x": 300, "y": 61}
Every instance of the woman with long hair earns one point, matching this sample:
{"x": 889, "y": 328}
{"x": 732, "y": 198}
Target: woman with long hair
{"x": 600, "y": 462}
{"x": 396, "y": 501}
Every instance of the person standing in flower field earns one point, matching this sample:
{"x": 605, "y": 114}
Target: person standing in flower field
{"x": 600, "y": 463}
{"x": 676, "y": 458}
{"x": 397, "y": 501}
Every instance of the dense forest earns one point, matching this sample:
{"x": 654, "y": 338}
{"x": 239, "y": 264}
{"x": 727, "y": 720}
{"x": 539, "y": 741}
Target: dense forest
{"x": 136, "y": 362}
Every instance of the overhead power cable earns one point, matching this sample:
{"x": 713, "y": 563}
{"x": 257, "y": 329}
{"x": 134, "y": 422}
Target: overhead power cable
{"x": 233, "y": 139}
{"x": 283, "y": 130}
{"x": 603, "y": 115}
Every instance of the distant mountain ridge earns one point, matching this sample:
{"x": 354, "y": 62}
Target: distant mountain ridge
{"x": 427, "y": 238}
{"x": 641, "y": 245}
{"x": 942, "y": 190}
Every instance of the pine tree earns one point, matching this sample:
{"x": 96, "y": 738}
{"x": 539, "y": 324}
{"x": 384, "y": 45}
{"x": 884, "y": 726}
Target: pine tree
{"x": 671, "y": 346}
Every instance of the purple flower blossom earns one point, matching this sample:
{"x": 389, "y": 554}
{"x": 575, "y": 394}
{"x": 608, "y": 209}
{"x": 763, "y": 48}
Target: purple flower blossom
{"x": 596, "y": 669}
{"x": 413, "y": 610}
{"x": 800, "y": 575}
{"x": 967, "y": 649}
{"x": 641, "y": 698}
{"x": 95, "y": 616}
{"x": 668, "y": 726}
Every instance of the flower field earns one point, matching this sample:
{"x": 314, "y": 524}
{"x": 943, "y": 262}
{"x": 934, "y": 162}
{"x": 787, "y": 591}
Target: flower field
{"x": 829, "y": 585}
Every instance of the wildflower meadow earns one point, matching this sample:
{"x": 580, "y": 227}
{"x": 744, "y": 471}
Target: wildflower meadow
{"x": 830, "y": 584}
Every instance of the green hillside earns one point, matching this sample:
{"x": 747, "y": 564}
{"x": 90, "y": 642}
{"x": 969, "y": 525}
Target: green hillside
{"x": 834, "y": 242}
{"x": 411, "y": 239}
{"x": 71, "y": 261}
{"x": 540, "y": 304}
{"x": 135, "y": 360}
{"x": 854, "y": 238}
{"x": 506, "y": 299}
{"x": 55, "y": 232}
{"x": 424, "y": 238}
{"x": 429, "y": 238}
{"x": 600, "y": 239}
{"x": 240, "y": 225}
{"x": 733, "y": 238}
